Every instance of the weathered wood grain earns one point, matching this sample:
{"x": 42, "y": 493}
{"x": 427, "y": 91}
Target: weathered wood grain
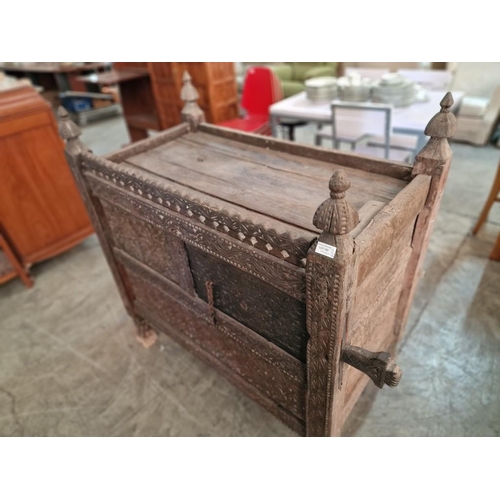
{"x": 340, "y": 158}
{"x": 376, "y": 239}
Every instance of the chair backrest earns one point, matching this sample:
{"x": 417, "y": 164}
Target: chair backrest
{"x": 372, "y": 117}
{"x": 432, "y": 79}
{"x": 260, "y": 89}
{"x": 371, "y": 73}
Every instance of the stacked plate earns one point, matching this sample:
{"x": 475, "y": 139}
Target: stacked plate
{"x": 354, "y": 88}
{"x": 394, "y": 89}
{"x": 321, "y": 89}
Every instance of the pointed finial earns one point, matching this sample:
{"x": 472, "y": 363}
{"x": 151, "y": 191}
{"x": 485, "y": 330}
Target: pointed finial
{"x": 70, "y": 132}
{"x": 443, "y": 124}
{"x": 68, "y": 129}
{"x": 191, "y": 112}
{"x": 336, "y": 215}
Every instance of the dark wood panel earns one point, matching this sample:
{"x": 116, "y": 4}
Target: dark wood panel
{"x": 271, "y": 313}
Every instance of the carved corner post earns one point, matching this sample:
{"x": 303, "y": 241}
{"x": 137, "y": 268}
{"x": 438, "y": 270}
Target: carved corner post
{"x": 434, "y": 159}
{"x": 191, "y": 112}
{"x": 69, "y": 131}
{"x": 329, "y": 276}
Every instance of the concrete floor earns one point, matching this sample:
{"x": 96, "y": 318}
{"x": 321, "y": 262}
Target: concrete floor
{"x": 70, "y": 366}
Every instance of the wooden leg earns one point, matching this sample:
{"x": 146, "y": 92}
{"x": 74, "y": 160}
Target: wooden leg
{"x": 495, "y": 254}
{"x": 18, "y": 267}
{"x": 146, "y": 336}
{"x": 492, "y": 197}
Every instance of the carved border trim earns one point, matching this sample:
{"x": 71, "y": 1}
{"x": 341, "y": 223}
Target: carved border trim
{"x": 323, "y": 285}
{"x": 286, "y": 246}
{"x": 283, "y": 276}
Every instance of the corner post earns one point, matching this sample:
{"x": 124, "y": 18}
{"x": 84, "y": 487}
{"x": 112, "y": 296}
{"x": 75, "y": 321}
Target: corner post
{"x": 329, "y": 279}
{"x": 69, "y": 131}
{"x": 191, "y": 112}
{"x": 434, "y": 160}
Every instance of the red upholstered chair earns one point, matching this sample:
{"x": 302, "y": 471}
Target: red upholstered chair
{"x": 260, "y": 89}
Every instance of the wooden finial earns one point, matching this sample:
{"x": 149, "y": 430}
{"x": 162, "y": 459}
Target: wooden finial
{"x": 444, "y": 123}
{"x": 67, "y": 127}
{"x": 191, "y": 112}
{"x": 440, "y": 128}
{"x": 336, "y": 215}
{"x": 70, "y": 132}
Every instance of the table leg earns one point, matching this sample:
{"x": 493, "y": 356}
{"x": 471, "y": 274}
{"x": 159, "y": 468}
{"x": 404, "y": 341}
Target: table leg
{"x": 274, "y": 125}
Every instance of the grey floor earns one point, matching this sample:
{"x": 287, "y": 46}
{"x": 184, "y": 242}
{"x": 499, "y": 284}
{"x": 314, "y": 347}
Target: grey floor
{"x": 70, "y": 366}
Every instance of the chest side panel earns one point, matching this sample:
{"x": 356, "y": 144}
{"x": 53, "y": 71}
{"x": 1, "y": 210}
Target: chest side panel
{"x": 384, "y": 250}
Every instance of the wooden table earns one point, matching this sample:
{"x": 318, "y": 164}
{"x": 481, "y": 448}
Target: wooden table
{"x": 52, "y": 75}
{"x": 406, "y": 120}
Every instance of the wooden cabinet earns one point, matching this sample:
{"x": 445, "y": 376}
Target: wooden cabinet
{"x": 40, "y": 207}
{"x": 150, "y": 92}
{"x": 290, "y": 269}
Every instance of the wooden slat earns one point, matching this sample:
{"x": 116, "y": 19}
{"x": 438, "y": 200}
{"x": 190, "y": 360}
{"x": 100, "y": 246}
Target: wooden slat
{"x": 146, "y": 144}
{"x": 346, "y": 159}
{"x": 373, "y": 283}
{"x": 378, "y": 237}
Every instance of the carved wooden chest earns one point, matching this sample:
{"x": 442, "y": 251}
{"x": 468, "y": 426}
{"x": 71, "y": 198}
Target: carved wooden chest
{"x": 290, "y": 269}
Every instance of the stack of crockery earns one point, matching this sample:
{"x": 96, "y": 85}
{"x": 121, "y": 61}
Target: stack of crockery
{"x": 354, "y": 88}
{"x": 321, "y": 89}
{"x": 395, "y": 89}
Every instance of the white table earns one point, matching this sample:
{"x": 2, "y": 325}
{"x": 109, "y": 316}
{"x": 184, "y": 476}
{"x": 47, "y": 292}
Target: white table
{"x": 406, "y": 120}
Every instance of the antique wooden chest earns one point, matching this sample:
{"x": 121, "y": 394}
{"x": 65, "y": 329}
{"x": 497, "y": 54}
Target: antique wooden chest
{"x": 290, "y": 269}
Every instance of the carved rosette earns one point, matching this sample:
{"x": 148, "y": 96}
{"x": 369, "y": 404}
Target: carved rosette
{"x": 327, "y": 283}
{"x": 191, "y": 112}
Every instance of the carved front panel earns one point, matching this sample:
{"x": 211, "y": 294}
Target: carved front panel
{"x": 279, "y": 377}
{"x": 148, "y": 244}
{"x": 276, "y": 316}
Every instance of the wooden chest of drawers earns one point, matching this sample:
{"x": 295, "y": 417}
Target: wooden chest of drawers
{"x": 288, "y": 268}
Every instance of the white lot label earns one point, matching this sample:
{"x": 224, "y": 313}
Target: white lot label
{"x": 327, "y": 250}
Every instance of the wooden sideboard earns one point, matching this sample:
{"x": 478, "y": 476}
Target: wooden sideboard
{"x": 288, "y": 268}
{"x": 150, "y": 92}
{"x": 40, "y": 207}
